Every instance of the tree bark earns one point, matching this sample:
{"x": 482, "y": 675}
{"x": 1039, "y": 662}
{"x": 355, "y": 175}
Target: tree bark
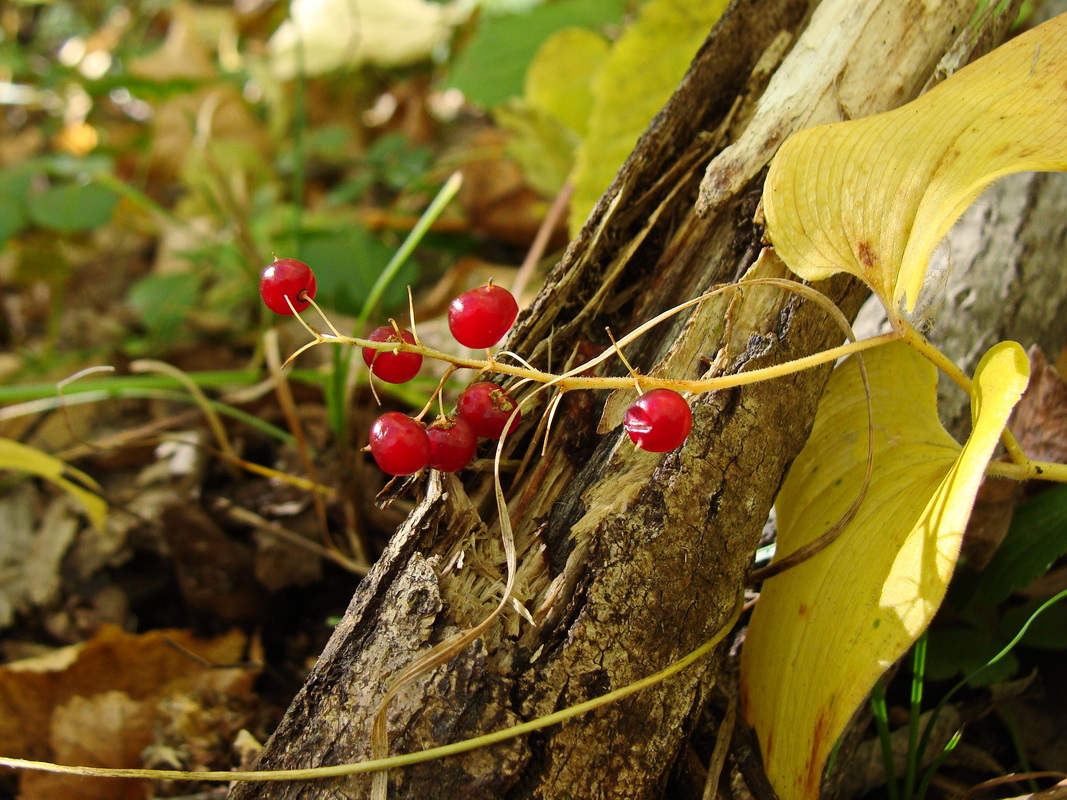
{"x": 627, "y": 560}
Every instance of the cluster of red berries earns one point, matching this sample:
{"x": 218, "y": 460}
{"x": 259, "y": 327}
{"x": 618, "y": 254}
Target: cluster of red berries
{"x": 402, "y": 445}
{"x": 658, "y": 421}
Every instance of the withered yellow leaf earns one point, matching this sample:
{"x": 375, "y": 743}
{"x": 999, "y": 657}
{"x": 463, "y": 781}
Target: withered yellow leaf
{"x": 824, "y": 631}
{"x": 23, "y": 458}
{"x": 873, "y": 197}
{"x": 560, "y": 77}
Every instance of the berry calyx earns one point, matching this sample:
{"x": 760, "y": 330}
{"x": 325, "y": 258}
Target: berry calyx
{"x": 487, "y": 408}
{"x": 480, "y": 318}
{"x": 392, "y": 367}
{"x": 659, "y": 420}
{"x": 453, "y": 443}
{"x": 287, "y": 277}
{"x": 399, "y": 444}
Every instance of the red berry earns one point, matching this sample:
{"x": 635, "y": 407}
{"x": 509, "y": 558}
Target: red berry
{"x": 659, "y": 420}
{"x": 480, "y": 318}
{"x": 487, "y": 408}
{"x": 399, "y": 444}
{"x": 392, "y": 367}
{"x": 452, "y": 443}
{"x": 287, "y": 277}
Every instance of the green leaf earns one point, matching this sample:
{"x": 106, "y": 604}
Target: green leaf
{"x": 398, "y": 163}
{"x": 17, "y": 456}
{"x": 72, "y": 208}
{"x": 12, "y": 217}
{"x": 824, "y": 631}
{"x": 164, "y": 301}
{"x": 873, "y": 197}
{"x": 965, "y": 649}
{"x": 639, "y": 76}
{"x": 347, "y": 262}
{"x": 14, "y": 188}
{"x": 1036, "y": 538}
{"x": 493, "y": 67}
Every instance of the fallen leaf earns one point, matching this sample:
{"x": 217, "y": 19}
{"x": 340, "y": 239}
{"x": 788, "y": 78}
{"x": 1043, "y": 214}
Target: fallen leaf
{"x": 40, "y": 576}
{"x": 216, "y": 573}
{"x": 141, "y": 666}
{"x": 208, "y": 108}
{"x": 1040, "y": 420}
{"x": 181, "y": 56}
{"x": 824, "y": 631}
{"x": 993, "y": 510}
{"x": 498, "y": 201}
{"x": 873, "y": 197}
{"x": 109, "y": 729}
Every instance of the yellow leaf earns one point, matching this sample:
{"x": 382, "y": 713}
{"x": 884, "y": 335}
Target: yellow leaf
{"x": 824, "y": 631}
{"x": 873, "y": 197}
{"x": 559, "y": 79}
{"x": 642, "y": 71}
{"x": 17, "y": 456}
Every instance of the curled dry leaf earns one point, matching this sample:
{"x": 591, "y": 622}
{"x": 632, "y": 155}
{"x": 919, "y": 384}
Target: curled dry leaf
{"x": 873, "y": 197}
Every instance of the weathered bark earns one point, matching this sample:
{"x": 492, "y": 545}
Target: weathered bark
{"x": 627, "y": 560}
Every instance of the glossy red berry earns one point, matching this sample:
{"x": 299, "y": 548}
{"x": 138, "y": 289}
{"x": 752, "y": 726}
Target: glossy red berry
{"x": 487, "y": 408}
{"x": 287, "y": 277}
{"x": 399, "y": 444}
{"x": 392, "y": 367}
{"x": 659, "y": 420}
{"x": 453, "y": 443}
{"x": 480, "y": 318}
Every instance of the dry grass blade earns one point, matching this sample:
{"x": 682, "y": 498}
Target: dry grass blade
{"x": 217, "y": 428}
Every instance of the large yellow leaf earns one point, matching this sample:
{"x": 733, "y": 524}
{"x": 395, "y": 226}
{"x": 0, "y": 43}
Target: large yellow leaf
{"x": 17, "y": 456}
{"x": 874, "y": 196}
{"x": 825, "y": 630}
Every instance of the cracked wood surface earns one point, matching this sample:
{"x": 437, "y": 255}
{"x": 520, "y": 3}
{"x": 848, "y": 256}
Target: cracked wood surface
{"x": 627, "y": 560}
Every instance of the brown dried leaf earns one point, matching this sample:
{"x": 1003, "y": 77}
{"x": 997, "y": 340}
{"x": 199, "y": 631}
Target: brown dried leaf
{"x": 142, "y": 666}
{"x": 1040, "y": 419}
{"x": 990, "y": 520}
{"x": 498, "y": 201}
{"x": 106, "y": 730}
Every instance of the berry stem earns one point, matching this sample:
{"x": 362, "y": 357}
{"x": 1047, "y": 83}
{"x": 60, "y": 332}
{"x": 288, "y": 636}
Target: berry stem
{"x": 1028, "y": 470}
{"x": 436, "y": 394}
{"x": 322, "y": 314}
{"x": 573, "y": 380}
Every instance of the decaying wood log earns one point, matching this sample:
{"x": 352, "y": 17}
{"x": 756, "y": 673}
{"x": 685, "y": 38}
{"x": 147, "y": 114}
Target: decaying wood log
{"x": 627, "y": 560}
